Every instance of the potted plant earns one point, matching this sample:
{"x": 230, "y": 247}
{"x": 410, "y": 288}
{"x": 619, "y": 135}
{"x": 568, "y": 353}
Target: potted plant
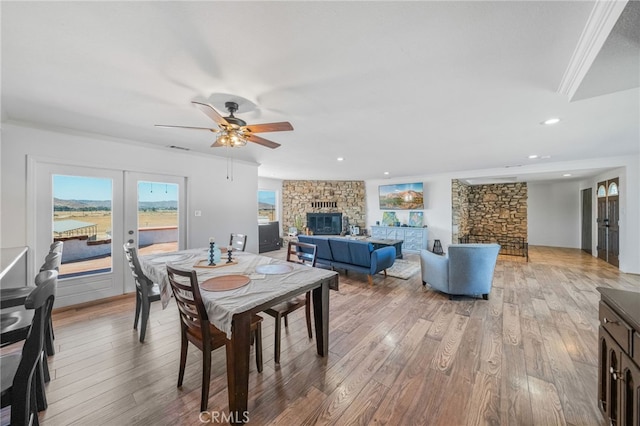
{"x": 297, "y": 222}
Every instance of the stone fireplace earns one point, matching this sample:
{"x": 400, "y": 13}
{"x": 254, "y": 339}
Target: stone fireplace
{"x": 300, "y": 197}
{"x": 324, "y": 223}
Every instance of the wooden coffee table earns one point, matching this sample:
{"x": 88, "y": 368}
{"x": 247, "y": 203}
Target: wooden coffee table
{"x": 383, "y": 242}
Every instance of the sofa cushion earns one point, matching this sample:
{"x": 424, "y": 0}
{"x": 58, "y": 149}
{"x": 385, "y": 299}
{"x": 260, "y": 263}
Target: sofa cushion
{"x": 361, "y": 253}
{"x": 346, "y": 251}
{"x": 323, "y": 251}
{"x": 340, "y": 250}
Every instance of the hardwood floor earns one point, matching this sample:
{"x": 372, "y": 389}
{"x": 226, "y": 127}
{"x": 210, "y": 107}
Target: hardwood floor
{"x": 400, "y": 353}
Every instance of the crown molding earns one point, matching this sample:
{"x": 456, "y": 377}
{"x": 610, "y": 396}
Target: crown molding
{"x": 603, "y": 17}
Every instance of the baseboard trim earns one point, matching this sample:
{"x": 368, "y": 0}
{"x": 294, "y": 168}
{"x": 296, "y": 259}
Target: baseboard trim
{"x": 94, "y": 303}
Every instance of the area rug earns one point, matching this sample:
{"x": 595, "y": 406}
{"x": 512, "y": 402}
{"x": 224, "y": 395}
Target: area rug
{"x": 403, "y": 269}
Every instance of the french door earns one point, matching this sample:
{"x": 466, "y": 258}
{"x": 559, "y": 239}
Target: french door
{"x": 608, "y": 209}
{"x": 94, "y": 211}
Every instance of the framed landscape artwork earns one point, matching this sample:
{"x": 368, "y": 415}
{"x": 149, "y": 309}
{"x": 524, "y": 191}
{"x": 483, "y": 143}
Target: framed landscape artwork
{"x": 415, "y": 219}
{"x": 402, "y": 196}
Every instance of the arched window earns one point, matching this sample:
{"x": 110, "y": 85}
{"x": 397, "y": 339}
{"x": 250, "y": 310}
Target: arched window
{"x": 602, "y": 191}
{"x": 613, "y": 189}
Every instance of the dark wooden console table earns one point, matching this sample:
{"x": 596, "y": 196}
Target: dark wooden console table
{"x": 381, "y": 242}
{"x": 619, "y": 356}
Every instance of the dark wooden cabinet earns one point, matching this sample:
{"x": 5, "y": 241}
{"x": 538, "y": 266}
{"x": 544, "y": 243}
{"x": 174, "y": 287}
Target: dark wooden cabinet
{"x": 269, "y": 237}
{"x": 619, "y": 356}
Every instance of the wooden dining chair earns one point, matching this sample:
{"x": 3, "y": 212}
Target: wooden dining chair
{"x": 196, "y": 328}
{"x": 238, "y": 241}
{"x": 21, "y": 382}
{"x": 303, "y": 253}
{"x": 146, "y": 290}
{"x": 16, "y": 319}
{"x": 15, "y": 296}
{"x": 52, "y": 261}
{"x": 13, "y": 300}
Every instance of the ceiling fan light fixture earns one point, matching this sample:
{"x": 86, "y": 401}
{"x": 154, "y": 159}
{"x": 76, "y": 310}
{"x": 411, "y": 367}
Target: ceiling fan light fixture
{"x": 234, "y": 132}
{"x": 231, "y": 138}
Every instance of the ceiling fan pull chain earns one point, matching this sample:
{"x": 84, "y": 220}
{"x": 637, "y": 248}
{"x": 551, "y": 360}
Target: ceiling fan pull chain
{"x": 229, "y": 164}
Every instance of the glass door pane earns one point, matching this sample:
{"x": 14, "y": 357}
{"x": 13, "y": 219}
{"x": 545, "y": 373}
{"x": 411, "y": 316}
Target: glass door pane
{"x": 82, "y": 219}
{"x": 81, "y": 206}
{"x": 157, "y": 217}
{"x": 154, "y": 219}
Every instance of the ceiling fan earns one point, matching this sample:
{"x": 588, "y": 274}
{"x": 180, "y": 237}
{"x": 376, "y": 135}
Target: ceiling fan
{"x": 233, "y": 131}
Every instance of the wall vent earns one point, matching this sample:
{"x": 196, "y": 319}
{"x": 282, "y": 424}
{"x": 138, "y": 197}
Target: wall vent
{"x": 324, "y": 204}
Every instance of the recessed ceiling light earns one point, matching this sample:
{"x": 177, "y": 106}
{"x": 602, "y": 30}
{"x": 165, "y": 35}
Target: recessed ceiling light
{"x": 544, "y": 157}
{"x": 533, "y": 157}
{"x": 566, "y": 174}
{"x": 551, "y": 121}
{"x": 340, "y": 159}
{"x": 386, "y": 173}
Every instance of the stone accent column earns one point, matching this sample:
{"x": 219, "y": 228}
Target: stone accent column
{"x": 498, "y": 210}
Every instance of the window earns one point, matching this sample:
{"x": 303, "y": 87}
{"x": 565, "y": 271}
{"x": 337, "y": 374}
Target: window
{"x": 602, "y": 191}
{"x": 613, "y": 189}
{"x": 266, "y": 206}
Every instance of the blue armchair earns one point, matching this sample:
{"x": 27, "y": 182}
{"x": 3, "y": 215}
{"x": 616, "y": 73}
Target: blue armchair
{"x": 467, "y": 269}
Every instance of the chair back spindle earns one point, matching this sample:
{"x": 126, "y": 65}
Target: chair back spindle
{"x": 303, "y": 253}
{"x": 186, "y": 291}
{"x": 238, "y": 242}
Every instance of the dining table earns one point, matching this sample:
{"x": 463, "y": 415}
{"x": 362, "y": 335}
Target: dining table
{"x": 269, "y": 281}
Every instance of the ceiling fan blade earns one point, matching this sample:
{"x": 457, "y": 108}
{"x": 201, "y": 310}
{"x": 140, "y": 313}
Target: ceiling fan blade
{"x": 261, "y": 141}
{"x": 187, "y": 127}
{"x": 269, "y": 127}
{"x": 211, "y": 113}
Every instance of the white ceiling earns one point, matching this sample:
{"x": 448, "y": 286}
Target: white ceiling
{"x": 411, "y": 88}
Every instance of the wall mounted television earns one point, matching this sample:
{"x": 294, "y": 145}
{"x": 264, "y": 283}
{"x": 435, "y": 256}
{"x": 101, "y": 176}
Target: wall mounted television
{"x": 401, "y": 196}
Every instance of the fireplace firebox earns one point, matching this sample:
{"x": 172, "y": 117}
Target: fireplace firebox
{"x": 325, "y": 223}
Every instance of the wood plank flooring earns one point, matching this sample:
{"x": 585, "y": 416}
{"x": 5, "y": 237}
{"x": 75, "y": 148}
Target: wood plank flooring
{"x": 400, "y": 353}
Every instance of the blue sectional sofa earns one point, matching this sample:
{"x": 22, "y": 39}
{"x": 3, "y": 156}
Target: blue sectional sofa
{"x": 351, "y": 255}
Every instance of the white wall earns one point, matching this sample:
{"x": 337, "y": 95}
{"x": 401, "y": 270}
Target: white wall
{"x": 437, "y": 203}
{"x": 553, "y": 214}
{"x": 226, "y": 205}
